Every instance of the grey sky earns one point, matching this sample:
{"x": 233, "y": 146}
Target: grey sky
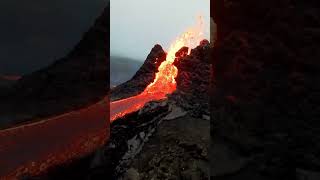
{"x": 137, "y": 25}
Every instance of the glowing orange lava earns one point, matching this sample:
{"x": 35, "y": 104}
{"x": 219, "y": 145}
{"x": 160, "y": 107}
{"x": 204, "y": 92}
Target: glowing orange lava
{"x": 164, "y": 82}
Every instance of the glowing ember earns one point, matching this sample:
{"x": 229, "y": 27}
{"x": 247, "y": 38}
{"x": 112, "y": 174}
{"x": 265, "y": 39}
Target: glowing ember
{"x": 164, "y": 82}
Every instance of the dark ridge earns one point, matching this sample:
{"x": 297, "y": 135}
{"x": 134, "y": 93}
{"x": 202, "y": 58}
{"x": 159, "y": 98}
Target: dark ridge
{"x": 143, "y": 77}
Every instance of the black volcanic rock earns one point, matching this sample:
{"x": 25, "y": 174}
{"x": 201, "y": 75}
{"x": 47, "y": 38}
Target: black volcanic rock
{"x": 77, "y": 80}
{"x": 128, "y": 135}
{"x": 182, "y": 52}
{"x": 144, "y": 76}
{"x": 265, "y": 102}
{"x": 193, "y": 79}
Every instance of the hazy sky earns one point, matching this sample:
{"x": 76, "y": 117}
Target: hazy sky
{"x": 137, "y": 25}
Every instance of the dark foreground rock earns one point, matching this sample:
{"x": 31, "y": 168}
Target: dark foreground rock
{"x": 265, "y": 102}
{"x": 128, "y": 135}
{"x": 161, "y": 141}
{"x": 178, "y": 150}
{"x": 193, "y": 79}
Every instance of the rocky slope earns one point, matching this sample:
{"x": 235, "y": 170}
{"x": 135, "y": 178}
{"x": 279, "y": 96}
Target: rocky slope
{"x": 167, "y": 139}
{"x": 178, "y": 150}
{"x": 265, "y": 102}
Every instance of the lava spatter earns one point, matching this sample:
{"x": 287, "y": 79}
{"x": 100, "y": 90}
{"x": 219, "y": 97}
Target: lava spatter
{"x": 164, "y": 82}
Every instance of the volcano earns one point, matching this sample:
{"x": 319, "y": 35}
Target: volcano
{"x": 168, "y": 92}
{"x": 164, "y": 72}
{"x": 165, "y": 80}
{"x": 166, "y": 101}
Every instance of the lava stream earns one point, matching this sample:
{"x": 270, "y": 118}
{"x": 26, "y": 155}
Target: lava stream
{"x": 164, "y": 82}
{"x": 122, "y": 107}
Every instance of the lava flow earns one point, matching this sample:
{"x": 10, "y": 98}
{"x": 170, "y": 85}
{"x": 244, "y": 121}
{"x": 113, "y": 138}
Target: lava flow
{"x": 164, "y": 82}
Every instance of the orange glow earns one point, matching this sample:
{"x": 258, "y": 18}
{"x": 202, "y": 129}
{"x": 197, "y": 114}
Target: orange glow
{"x": 164, "y": 82}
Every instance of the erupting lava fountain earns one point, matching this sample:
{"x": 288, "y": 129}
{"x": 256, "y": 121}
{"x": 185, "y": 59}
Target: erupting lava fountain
{"x": 164, "y": 82}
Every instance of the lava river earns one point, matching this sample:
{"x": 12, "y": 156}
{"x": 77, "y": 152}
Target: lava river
{"x": 164, "y": 82}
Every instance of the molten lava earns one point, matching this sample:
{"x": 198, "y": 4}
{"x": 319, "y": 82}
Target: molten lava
{"x": 164, "y": 82}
